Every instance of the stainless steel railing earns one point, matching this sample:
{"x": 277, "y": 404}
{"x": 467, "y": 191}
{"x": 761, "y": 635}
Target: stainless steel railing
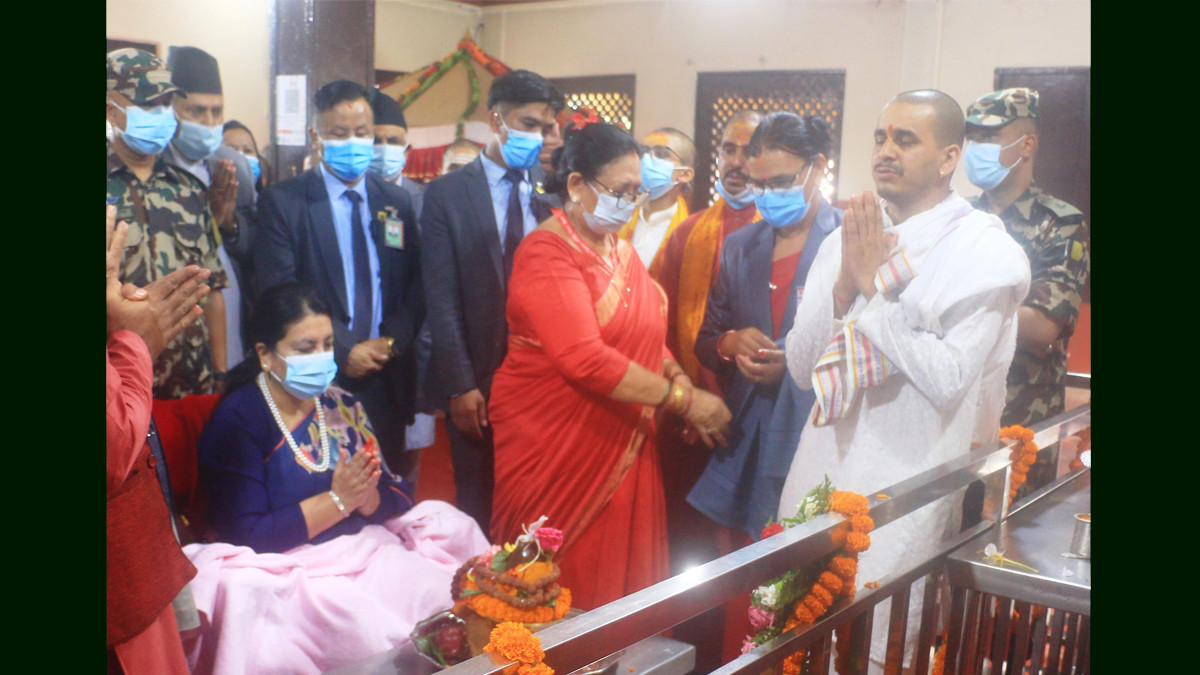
{"x": 577, "y": 642}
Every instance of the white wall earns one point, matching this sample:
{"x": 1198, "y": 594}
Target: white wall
{"x": 411, "y": 34}
{"x": 236, "y": 32}
{"x": 885, "y": 46}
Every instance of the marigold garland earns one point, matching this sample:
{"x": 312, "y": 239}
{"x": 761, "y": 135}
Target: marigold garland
{"x": 514, "y": 641}
{"x": 1023, "y": 455}
{"x": 835, "y": 581}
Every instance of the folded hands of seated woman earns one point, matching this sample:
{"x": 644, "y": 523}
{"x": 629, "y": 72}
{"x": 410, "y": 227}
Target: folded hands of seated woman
{"x": 355, "y": 482}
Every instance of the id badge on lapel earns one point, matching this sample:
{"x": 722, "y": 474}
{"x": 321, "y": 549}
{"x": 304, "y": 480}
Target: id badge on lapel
{"x": 393, "y": 227}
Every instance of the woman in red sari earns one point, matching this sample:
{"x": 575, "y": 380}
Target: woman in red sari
{"x": 573, "y": 404}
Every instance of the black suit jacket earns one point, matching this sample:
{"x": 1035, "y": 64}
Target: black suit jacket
{"x": 465, "y": 286}
{"x": 296, "y": 242}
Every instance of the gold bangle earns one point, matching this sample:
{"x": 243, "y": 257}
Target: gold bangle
{"x": 677, "y": 397}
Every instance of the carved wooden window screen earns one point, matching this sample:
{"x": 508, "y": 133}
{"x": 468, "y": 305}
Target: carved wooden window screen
{"x": 611, "y": 96}
{"x": 804, "y": 92}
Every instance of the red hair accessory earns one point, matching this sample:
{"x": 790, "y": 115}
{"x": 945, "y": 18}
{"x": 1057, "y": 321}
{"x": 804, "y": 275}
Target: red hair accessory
{"x": 581, "y": 120}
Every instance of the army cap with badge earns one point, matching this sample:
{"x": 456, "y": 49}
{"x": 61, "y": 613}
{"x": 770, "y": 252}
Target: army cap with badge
{"x": 139, "y": 97}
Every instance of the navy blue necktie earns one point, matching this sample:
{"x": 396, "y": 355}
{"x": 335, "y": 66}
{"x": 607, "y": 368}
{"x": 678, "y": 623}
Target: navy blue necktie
{"x": 514, "y": 228}
{"x": 363, "y": 302}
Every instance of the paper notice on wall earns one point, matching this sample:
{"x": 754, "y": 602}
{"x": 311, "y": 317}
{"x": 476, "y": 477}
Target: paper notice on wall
{"x": 290, "y": 110}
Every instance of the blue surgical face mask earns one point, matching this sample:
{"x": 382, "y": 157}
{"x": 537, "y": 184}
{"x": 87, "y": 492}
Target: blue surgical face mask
{"x": 389, "y": 160}
{"x": 608, "y": 218}
{"x": 739, "y": 201}
{"x": 308, "y": 375}
{"x": 657, "y": 175}
{"x": 197, "y": 141}
{"x": 147, "y": 130}
{"x": 255, "y": 166}
{"x": 785, "y": 207}
{"x": 521, "y": 149}
{"x": 982, "y": 160}
{"x": 349, "y": 158}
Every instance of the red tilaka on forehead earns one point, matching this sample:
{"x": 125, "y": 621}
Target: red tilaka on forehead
{"x": 890, "y": 128}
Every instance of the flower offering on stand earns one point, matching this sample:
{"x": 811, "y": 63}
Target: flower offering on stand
{"x": 515, "y": 582}
{"x": 805, "y": 594}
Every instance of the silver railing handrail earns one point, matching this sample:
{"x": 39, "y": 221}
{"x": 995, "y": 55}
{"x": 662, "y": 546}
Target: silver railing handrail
{"x": 593, "y": 635}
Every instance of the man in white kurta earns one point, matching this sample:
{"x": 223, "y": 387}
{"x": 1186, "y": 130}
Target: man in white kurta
{"x": 906, "y": 330}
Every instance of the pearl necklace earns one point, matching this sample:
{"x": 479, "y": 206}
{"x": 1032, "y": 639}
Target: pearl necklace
{"x": 301, "y": 456}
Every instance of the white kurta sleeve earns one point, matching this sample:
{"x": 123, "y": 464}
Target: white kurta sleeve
{"x": 814, "y": 326}
{"x": 941, "y": 367}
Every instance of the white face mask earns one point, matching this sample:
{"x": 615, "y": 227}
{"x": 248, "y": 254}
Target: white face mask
{"x": 608, "y": 217}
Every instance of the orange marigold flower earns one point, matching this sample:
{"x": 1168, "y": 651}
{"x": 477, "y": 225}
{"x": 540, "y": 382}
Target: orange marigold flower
{"x": 803, "y": 614}
{"x": 1021, "y": 467}
{"x": 822, "y": 594}
{"x": 535, "y": 669}
{"x": 814, "y": 603}
{"x": 857, "y": 542}
{"x": 514, "y": 642}
{"x": 863, "y": 523}
{"x": 871, "y": 584}
{"x": 848, "y": 504}
{"x": 791, "y": 622}
{"x": 791, "y": 665}
{"x": 831, "y": 581}
{"x": 844, "y": 566}
{"x": 563, "y": 604}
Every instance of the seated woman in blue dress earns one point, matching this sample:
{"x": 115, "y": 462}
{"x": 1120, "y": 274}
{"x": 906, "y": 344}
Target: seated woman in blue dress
{"x": 287, "y": 458}
{"x": 321, "y": 553}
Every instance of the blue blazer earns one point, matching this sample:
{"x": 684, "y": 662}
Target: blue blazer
{"x": 296, "y": 241}
{"x": 742, "y": 483}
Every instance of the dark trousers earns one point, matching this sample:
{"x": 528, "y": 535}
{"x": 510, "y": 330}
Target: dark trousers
{"x": 474, "y": 473}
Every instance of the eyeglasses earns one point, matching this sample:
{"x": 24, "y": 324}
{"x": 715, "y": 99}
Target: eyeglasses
{"x": 777, "y": 183}
{"x": 662, "y": 152}
{"x": 624, "y": 198}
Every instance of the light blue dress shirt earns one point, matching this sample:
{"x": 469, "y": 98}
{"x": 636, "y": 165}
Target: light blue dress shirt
{"x": 342, "y": 208}
{"x": 500, "y": 189}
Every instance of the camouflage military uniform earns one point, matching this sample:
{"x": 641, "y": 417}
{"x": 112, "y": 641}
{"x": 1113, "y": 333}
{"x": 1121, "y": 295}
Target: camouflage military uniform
{"x": 170, "y": 227}
{"x": 1056, "y": 240}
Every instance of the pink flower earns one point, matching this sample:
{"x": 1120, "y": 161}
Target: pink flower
{"x": 748, "y": 644}
{"x": 550, "y": 538}
{"x": 485, "y": 558}
{"x": 761, "y": 618}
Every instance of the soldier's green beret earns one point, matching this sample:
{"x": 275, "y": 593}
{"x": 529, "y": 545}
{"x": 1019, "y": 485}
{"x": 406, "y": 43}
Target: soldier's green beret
{"x": 1001, "y": 107}
{"x": 139, "y": 76}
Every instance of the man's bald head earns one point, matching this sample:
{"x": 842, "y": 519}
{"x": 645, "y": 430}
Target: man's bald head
{"x": 679, "y": 142}
{"x": 949, "y": 123}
